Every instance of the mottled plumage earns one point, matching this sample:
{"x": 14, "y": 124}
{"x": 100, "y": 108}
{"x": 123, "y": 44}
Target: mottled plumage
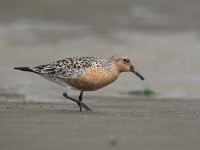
{"x": 84, "y": 73}
{"x": 72, "y": 67}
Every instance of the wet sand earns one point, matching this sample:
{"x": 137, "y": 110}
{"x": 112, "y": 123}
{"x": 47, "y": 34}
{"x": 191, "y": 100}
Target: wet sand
{"x": 151, "y": 124}
{"x": 163, "y": 39}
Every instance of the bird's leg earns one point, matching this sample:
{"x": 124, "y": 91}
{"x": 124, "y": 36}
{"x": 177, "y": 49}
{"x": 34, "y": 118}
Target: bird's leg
{"x": 77, "y": 101}
{"x": 80, "y": 99}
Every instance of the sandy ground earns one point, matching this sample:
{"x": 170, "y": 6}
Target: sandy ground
{"x": 161, "y": 36}
{"x": 151, "y": 124}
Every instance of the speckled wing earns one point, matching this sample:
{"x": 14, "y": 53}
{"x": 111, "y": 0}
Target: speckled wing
{"x": 61, "y": 68}
{"x": 66, "y": 68}
{"x": 70, "y": 67}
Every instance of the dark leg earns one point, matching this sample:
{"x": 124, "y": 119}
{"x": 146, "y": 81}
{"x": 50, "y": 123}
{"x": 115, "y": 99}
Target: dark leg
{"x": 80, "y": 99}
{"x": 81, "y": 96}
{"x": 77, "y": 101}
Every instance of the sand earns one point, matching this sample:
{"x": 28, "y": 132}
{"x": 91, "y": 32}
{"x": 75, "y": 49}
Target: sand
{"x": 152, "y": 124}
{"x": 163, "y": 40}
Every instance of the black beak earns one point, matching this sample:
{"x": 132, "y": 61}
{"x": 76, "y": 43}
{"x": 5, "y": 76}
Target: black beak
{"x": 132, "y": 69}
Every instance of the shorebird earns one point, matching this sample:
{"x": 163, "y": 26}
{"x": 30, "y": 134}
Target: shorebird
{"x": 84, "y": 73}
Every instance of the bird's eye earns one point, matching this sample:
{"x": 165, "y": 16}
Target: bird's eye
{"x": 125, "y": 60}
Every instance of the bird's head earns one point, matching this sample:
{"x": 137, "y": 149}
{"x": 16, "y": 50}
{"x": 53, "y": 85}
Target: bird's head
{"x": 124, "y": 64}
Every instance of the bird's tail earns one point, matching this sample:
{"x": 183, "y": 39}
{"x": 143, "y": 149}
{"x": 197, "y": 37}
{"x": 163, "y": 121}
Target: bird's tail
{"x": 24, "y": 69}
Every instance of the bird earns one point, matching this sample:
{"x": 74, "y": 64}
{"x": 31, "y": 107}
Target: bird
{"x": 84, "y": 73}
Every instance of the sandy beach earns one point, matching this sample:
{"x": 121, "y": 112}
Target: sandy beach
{"x": 151, "y": 124}
{"x": 161, "y": 37}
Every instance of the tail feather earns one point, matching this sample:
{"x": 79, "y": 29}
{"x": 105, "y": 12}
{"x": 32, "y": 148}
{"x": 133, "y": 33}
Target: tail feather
{"x": 24, "y": 69}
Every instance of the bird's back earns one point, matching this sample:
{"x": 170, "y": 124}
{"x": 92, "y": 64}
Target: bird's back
{"x": 71, "y": 68}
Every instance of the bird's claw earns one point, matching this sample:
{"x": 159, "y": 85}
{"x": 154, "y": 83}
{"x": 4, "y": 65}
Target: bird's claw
{"x": 84, "y": 106}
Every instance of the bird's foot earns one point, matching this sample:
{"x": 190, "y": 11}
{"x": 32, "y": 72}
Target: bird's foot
{"x": 81, "y": 104}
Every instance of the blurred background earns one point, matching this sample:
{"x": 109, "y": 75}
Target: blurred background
{"x": 161, "y": 36}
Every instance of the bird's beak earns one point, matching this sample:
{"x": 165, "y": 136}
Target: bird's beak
{"x": 132, "y": 69}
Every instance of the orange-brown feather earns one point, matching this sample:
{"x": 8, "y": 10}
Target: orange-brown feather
{"x": 93, "y": 79}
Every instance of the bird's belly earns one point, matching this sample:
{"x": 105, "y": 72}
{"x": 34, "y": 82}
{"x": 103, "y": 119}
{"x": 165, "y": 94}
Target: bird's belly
{"x": 92, "y": 80}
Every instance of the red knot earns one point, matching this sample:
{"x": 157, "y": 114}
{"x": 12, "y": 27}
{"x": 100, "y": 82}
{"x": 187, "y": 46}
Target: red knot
{"x": 84, "y": 73}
